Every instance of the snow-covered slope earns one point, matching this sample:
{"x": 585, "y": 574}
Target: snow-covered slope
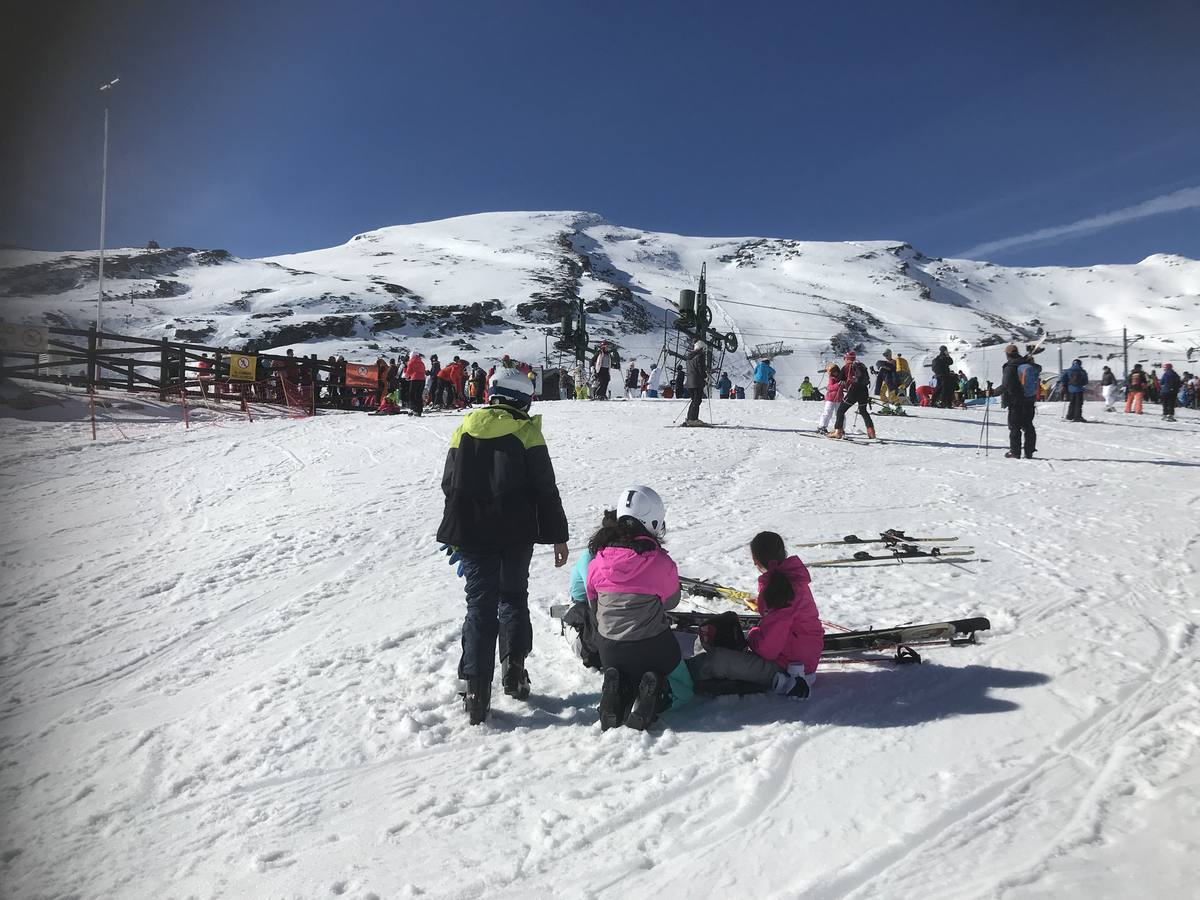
{"x": 498, "y": 282}
{"x": 228, "y": 667}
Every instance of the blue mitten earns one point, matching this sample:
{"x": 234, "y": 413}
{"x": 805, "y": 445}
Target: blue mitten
{"x": 453, "y": 555}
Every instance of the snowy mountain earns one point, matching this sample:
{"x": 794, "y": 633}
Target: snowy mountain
{"x": 498, "y": 283}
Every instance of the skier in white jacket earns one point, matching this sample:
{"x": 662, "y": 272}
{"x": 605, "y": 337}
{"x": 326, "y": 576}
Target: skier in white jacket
{"x": 654, "y": 384}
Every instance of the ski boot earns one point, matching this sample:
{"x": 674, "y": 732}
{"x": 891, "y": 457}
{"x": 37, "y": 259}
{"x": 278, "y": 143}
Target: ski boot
{"x": 871, "y": 433}
{"x": 514, "y": 678}
{"x": 477, "y": 700}
{"x": 611, "y": 704}
{"x": 645, "y": 706}
{"x": 823, "y": 431}
{"x": 835, "y": 435}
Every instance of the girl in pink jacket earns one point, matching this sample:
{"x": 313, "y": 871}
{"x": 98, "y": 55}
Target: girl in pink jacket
{"x": 834, "y": 392}
{"x": 790, "y": 631}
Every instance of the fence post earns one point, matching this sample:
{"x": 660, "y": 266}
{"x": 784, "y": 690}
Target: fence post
{"x": 162, "y": 371}
{"x": 216, "y": 372}
{"x": 182, "y": 370}
{"x": 91, "y": 359}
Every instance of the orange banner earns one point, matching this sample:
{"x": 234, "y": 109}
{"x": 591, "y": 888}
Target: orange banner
{"x": 361, "y": 375}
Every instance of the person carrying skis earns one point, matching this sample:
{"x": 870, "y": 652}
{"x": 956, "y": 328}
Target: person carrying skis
{"x": 1018, "y": 389}
{"x": 631, "y": 583}
{"x": 1168, "y": 387}
{"x": 501, "y": 499}
{"x": 724, "y": 386}
{"x": 783, "y": 650}
{"x": 943, "y": 368}
{"x": 763, "y": 373}
{"x": 1135, "y": 386}
{"x": 601, "y": 363}
{"x": 834, "y": 392}
{"x": 857, "y": 384}
{"x": 697, "y": 378}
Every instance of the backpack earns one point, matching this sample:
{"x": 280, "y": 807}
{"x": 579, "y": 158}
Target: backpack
{"x": 1028, "y": 374}
{"x": 1075, "y": 377}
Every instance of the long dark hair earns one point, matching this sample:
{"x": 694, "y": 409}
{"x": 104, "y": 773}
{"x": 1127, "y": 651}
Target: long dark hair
{"x": 626, "y": 532}
{"x": 767, "y": 547}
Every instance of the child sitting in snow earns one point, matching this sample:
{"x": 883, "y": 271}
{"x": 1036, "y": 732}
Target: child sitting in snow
{"x": 784, "y": 649}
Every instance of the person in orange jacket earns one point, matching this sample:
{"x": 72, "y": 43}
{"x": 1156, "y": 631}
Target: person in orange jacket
{"x": 451, "y": 376}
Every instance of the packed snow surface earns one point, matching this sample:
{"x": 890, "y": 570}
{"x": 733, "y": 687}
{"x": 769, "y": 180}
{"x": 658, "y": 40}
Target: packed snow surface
{"x": 229, "y": 652}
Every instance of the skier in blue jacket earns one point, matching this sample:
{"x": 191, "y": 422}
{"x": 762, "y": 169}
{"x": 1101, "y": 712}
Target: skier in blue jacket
{"x": 1075, "y": 379}
{"x": 724, "y": 386}
{"x": 763, "y": 373}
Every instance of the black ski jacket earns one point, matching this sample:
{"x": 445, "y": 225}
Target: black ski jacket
{"x": 696, "y": 369}
{"x": 499, "y": 484}
{"x": 943, "y": 364}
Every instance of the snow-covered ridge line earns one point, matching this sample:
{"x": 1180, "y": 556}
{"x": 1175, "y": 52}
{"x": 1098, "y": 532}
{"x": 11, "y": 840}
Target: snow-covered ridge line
{"x": 498, "y": 283}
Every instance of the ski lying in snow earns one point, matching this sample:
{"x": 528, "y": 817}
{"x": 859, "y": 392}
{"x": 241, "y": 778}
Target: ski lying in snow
{"x": 900, "y": 554}
{"x": 891, "y": 537}
{"x": 842, "y": 440}
{"x": 901, "y": 638}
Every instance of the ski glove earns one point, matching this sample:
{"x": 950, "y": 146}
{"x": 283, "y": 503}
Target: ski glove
{"x": 453, "y": 555}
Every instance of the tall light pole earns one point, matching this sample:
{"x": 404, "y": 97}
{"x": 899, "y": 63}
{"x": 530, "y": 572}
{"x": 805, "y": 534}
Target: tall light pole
{"x": 103, "y": 201}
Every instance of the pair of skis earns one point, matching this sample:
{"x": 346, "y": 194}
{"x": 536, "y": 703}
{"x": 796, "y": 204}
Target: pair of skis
{"x": 897, "y": 545}
{"x": 901, "y": 640}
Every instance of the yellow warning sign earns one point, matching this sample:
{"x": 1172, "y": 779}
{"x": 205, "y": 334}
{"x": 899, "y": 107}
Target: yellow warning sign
{"x": 242, "y": 367}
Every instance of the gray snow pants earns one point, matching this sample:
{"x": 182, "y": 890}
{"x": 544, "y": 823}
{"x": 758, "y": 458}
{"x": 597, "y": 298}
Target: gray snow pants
{"x": 723, "y": 664}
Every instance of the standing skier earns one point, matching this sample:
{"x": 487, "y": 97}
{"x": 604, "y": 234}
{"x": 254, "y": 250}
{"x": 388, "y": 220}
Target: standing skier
{"x": 1135, "y": 386}
{"x": 415, "y": 373}
{"x": 1019, "y": 386}
{"x": 601, "y": 363}
{"x": 1075, "y": 381}
{"x": 943, "y": 368}
{"x": 1168, "y": 387}
{"x": 763, "y": 373}
{"x": 724, "y": 386}
{"x": 697, "y": 378}
{"x": 885, "y": 378}
{"x": 632, "y": 380}
{"x": 857, "y": 386}
{"x": 834, "y": 391}
{"x": 654, "y": 381}
{"x": 1108, "y": 387}
{"x": 501, "y": 499}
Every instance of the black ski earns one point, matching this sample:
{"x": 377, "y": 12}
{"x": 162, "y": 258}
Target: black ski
{"x": 890, "y": 537}
{"x": 901, "y": 553}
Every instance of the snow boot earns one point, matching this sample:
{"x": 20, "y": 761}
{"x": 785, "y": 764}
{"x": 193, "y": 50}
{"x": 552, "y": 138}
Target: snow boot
{"x": 477, "y": 701}
{"x": 871, "y": 433}
{"x": 1011, "y": 455}
{"x": 514, "y": 678}
{"x": 645, "y": 707}
{"x": 611, "y": 704}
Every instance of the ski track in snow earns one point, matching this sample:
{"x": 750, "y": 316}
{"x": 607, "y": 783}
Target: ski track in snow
{"x": 228, "y": 667}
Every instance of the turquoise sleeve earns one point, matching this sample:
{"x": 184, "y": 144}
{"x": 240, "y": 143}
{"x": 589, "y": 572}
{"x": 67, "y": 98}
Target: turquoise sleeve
{"x": 579, "y": 578}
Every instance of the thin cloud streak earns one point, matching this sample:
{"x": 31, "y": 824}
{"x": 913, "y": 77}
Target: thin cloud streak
{"x": 1184, "y": 199}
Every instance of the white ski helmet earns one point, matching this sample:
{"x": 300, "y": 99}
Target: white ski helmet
{"x": 644, "y": 504}
{"x": 511, "y": 387}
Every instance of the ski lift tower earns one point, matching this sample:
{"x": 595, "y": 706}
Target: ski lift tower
{"x": 693, "y": 323}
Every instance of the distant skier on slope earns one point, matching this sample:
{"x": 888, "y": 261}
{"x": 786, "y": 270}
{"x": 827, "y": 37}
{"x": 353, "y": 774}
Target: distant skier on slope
{"x": 857, "y": 386}
{"x": 1075, "y": 380}
{"x": 1168, "y": 387}
{"x": 501, "y": 499}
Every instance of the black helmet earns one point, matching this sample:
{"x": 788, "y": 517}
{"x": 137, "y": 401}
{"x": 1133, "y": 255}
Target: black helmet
{"x": 942, "y": 349}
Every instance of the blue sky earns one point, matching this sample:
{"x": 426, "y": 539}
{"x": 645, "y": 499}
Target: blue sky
{"x": 275, "y": 127}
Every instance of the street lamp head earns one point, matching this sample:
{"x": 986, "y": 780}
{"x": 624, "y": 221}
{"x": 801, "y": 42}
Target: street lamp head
{"x": 109, "y": 86}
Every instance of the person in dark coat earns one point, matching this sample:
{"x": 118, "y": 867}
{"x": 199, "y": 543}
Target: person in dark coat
{"x": 697, "y": 378}
{"x": 501, "y": 499}
{"x": 943, "y": 368}
{"x": 1168, "y": 386}
{"x": 857, "y": 393}
{"x": 1018, "y": 392}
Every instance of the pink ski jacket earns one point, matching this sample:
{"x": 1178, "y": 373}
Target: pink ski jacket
{"x": 793, "y": 634}
{"x": 631, "y": 591}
